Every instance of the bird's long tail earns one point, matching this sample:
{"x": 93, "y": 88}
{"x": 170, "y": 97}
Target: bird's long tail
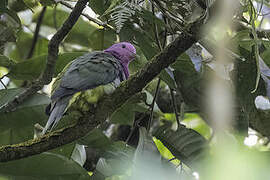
{"x": 57, "y": 112}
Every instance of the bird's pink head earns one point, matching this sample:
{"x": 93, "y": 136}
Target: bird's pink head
{"x": 125, "y": 52}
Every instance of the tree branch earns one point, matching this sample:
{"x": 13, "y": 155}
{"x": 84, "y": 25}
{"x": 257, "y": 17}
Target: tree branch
{"x": 98, "y": 22}
{"x": 107, "y": 105}
{"x": 34, "y": 42}
{"x": 53, "y": 46}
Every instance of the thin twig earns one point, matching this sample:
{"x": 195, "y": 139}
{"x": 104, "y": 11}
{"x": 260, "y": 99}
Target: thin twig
{"x": 53, "y": 49}
{"x": 98, "y": 22}
{"x": 35, "y": 39}
{"x": 54, "y": 17}
{"x": 175, "y": 108}
{"x": 153, "y": 105}
{"x": 165, "y": 33}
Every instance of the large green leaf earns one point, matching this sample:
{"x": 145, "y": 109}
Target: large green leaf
{"x": 188, "y": 81}
{"x": 32, "y": 68}
{"x": 185, "y": 144}
{"x": 18, "y": 126}
{"x": 43, "y": 166}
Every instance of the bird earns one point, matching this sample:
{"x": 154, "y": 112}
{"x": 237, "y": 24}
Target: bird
{"x": 86, "y": 72}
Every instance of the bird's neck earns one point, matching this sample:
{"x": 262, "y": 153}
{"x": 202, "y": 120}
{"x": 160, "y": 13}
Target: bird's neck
{"x": 125, "y": 68}
{"x": 122, "y": 61}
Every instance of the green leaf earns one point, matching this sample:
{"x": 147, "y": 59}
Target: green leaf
{"x": 47, "y": 2}
{"x": 244, "y": 83}
{"x": 65, "y": 150}
{"x": 5, "y": 61}
{"x": 79, "y": 154}
{"x": 101, "y": 39}
{"x": 169, "y": 80}
{"x": 21, "y": 5}
{"x": 188, "y": 80}
{"x": 146, "y": 146}
{"x": 99, "y": 6}
{"x": 185, "y": 144}
{"x": 112, "y": 5}
{"x": 242, "y": 39}
{"x": 3, "y": 4}
{"x": 95, "y": 139}
{"x": 195, "y": 122}
{"x": 7, "y": 95}
{"x": 7, "y": 34}
{"x": 117, "y": 159}
{"x": 32, "y": 68}
{"x": 23, "y": 46}
{"x": 266, "y": 56}
{"x": 18, "y": 126}
{"x": 126, "y": 113}
{"x": 150, "y": 50}
{"x": 43, "y": 166}
{"x": 29, "y": 69}
{"x": 12, "y": 14}
{"x": 146, "y": 44}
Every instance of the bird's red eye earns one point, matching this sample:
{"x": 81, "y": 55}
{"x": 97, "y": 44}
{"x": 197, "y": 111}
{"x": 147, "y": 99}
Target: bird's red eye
{"x": 123, "y": 46}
